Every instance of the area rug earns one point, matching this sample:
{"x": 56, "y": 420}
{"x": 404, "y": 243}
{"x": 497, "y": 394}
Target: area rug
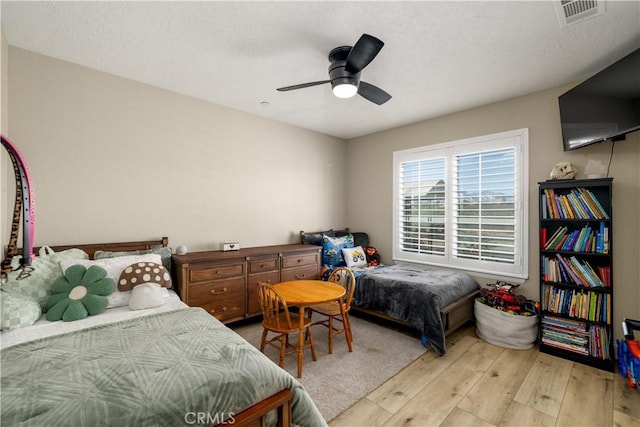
{"x": 337, "y": 381}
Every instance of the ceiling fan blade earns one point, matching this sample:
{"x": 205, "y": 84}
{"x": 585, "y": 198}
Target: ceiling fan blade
{"x": 373, "y": 93}
{"x": 362, "y": 53}
{"x": 302, "y": 85}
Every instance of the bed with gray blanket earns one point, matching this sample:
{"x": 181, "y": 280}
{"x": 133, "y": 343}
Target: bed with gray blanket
{"x": 433, "y": 300}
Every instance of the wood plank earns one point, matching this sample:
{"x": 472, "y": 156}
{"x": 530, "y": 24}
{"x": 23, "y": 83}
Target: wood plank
{"x": 363, "y": 413}
{"x": 624, "y": 420}
{"x": 518, "y": 415}
{"x": 588, "y": 399}
{"x": 544, "y": 386}
{"x": 625, "y": 399}
{"x": 491, "y": 396}
{"x": 400, "y": 389}
{"x": 487, "y": 350}
{"x": 434, "y": 403}
{"x": 461, "y": 418}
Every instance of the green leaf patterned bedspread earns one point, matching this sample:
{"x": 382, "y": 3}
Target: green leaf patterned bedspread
{"x": 166, "y": 369}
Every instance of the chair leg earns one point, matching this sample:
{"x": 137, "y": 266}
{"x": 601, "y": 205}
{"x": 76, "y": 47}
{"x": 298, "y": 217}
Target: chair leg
{"x": 284, "y": 338}
{"x": 346, "y": 324}
{"x": 263, "y": 342}
{"x": 330, "y": 322}
{"x": 311, "y": 344}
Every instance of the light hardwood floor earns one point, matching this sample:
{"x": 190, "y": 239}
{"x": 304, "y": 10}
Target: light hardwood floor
{"x": 479, "y": 384}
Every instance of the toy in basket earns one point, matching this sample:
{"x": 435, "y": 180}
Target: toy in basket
{"x": 504, "y": 318}
{"x": 629, "y": 353}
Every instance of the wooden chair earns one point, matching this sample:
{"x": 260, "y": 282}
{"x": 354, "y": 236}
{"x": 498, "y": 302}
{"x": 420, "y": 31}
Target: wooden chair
{"x": 276, "y": 318}
{"x": 332, "y": 310}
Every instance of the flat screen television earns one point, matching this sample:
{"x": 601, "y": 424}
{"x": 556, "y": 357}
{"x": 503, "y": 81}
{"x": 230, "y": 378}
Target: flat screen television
{"x": 605, "y": 106}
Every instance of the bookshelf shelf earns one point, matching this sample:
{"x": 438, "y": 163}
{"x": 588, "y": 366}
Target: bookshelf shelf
{"x": 576, "y": 275}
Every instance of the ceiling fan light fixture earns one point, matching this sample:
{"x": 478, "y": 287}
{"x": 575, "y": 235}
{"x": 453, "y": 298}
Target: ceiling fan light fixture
{"x": 345, "y": 90}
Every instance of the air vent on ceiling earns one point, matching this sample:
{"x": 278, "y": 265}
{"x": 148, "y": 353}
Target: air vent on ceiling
{"x": 572, "y": 11}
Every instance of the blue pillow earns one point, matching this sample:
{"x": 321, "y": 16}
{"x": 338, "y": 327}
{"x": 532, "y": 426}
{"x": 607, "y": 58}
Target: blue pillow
{"x": 332, "y": 249}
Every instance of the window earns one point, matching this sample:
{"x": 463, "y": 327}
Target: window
{"x": 463, "y": 204}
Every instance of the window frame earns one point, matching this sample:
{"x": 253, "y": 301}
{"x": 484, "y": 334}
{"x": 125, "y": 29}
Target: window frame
{"x": 518, "y": 139}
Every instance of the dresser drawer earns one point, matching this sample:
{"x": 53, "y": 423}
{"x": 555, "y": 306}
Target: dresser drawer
{"x": 225, "y": 299}
{"x": 226, "y": 309}
{"x": 262, "y": 265}
{"x": 306, "y": 273}
{"x": 208, "y": 273}
{"x": 291, "y": 261}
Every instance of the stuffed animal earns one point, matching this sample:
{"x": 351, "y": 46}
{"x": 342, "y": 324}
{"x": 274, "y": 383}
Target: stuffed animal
{"x": 373, "y": 256}
{"x": 563, "y": 170}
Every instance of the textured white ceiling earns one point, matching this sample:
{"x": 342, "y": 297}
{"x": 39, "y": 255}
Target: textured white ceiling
{"x": 439, "y": 56}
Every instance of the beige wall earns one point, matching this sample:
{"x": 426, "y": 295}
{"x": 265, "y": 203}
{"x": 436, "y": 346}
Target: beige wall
{"x": 371, "y": 160}
{"x": 116, "y": 160}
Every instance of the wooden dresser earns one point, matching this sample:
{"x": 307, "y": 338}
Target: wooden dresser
{"x": 225, "y": 283}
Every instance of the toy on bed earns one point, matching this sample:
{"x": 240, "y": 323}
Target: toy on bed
{"x": 184, "y": 348}
{"x": 433, "y": 300}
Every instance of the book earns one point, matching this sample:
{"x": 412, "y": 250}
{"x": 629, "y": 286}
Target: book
{"x": 588, "y": 214}
{"x": 555, "y": 238}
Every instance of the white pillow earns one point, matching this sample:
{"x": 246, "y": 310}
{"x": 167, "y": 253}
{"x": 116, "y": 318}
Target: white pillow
{"x": 147, "y": 295}
{"x": 355, "y": 257}
{"x": 114, "y": 267}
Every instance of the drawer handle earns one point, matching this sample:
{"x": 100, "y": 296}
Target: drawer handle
{"x": 214, "y": 310}
{"x": 299, "y": 260}
{"x": 301, "y": 276}
{"x": 219, "y": 272}
{"x": 214, "y": 292}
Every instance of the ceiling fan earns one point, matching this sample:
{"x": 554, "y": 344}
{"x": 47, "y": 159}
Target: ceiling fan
{"x": 344, "y": 72}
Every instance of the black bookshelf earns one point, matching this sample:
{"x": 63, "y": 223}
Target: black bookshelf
{"x": 576, "y": 271}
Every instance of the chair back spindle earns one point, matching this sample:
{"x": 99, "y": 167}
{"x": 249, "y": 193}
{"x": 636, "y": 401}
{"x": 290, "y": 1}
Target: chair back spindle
{"x": 273, "y": 305}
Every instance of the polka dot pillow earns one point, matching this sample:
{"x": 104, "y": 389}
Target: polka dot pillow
{"x": 143, "y": 272}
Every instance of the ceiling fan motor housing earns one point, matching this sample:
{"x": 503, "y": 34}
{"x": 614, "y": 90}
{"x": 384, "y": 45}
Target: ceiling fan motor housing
{"x": 337, "y": 73}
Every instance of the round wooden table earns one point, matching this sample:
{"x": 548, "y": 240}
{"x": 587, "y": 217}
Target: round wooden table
{"x": 303, "y": 293}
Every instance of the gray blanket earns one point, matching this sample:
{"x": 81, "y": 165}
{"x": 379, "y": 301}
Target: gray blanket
{"x": 414, "y": 294}
{"x": 167, "y": 369}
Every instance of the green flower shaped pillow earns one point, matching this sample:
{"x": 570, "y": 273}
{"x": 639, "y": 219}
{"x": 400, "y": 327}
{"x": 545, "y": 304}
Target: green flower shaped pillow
{"x": 79, "y": 293}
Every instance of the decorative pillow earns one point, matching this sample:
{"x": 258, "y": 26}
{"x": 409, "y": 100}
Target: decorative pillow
{"x": 147, "y": 295}
{"x": 18, "y": 310}
{"x": 164, "y": 252}
{"x": 332, "y": 249}
{"x": 114, "y": 267}
{"x": 45, "y": 270}
{"x": 141, "y": 273}
{"x": 79, "y": 293}
{"x": 355, "y": 257}
{"x": 316, "y": 238}
{"x": 373, "y": 256}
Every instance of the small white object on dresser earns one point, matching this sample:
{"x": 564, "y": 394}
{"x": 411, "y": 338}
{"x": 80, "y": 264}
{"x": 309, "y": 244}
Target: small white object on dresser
{"x": 230, "y": 246}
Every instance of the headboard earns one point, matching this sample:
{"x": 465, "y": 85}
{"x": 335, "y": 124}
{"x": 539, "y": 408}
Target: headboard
{"x": 315, "y": 237}
{"x": 91, "y": 248}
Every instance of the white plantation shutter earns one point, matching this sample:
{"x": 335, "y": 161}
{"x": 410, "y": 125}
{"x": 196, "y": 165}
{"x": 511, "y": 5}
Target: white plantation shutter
{"x": 464, "y": 204}
{"x": 483, "y": 206}
{"x": 422, "y": 206}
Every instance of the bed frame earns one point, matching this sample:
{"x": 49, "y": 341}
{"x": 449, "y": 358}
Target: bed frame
{"x": 92, "y": 248}
{"x": 453, "y": 315}
{"x": 255, "y": 415}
